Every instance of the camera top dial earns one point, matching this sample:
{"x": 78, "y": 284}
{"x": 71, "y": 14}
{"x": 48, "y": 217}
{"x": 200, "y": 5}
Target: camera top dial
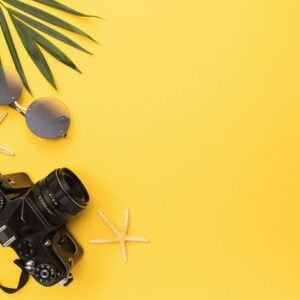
{"x": 26, "y": 249}
{"x": 45, "y": 274}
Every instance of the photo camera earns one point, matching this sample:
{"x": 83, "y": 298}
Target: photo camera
{"x": 33, "y": 219}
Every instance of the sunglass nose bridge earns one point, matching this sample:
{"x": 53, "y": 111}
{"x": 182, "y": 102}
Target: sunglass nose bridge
{"x": 19, "y": 108}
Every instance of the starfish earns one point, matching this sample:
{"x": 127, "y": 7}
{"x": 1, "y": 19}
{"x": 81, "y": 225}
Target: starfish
{"x": 122, "y": 236}
{"x": 2, "y": 149}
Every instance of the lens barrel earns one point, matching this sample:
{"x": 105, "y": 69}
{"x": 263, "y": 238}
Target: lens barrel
{"x": 59, "y": 196}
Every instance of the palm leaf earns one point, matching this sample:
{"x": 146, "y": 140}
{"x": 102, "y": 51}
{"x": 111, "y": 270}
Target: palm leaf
{"x": 34, "y": 51}
{"x": 55, "y": 4}
{"x": 46, "y": 29}
{"x": 12, "y": 49}
{"x": 36, "y": 12}
{"x": 25, "y": 20}
{"x": 46, "y": 44}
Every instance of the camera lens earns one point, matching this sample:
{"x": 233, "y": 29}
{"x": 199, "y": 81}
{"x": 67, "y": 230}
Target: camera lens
{"x": 59, "y": 196}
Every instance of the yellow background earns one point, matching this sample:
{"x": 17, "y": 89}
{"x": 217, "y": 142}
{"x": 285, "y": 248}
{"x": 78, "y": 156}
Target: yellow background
{"x": 188, "y": 114}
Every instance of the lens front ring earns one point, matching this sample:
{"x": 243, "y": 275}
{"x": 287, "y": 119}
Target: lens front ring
{"x": 63, "y": 188}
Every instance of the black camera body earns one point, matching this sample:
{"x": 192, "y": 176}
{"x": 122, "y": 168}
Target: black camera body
{"x": 33, "y": 219}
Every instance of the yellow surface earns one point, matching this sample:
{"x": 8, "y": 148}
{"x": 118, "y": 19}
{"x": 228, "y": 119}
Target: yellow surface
{"x": 188, "y": 114}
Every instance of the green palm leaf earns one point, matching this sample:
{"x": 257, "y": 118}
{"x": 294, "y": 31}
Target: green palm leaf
{"x": 46, "y": 17}
{"x": 34, "y": 52}
{"x": 44, "y": 43}
{"x": 63, "y": 7}
{"x": 46, "y": 29}
{"x": 28, "y": 30}
{"x": 12, "y": 49}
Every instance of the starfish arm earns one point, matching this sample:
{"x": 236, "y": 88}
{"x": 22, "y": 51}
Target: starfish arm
{"x": 6, "y": 151}
{"x": 123, "y": 251}
{"x": 126, "y": 222}
{"x": 103, "y": 241}
{"x": 121, "y": 236}
{"x": 3, "y": 116}
{"x": 112, "y": 227}
{"x": 136, "y": 239}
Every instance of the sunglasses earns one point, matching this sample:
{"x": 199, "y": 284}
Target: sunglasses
{"x": 46, "y": 117}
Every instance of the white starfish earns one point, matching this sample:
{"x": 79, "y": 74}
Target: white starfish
{"x": 3, "y": 149}
{"x": 121, "y": 235}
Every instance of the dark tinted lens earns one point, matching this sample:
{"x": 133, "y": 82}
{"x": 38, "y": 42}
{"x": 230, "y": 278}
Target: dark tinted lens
{"x": 48, "y": 118}
{"x": 10, "y": 86}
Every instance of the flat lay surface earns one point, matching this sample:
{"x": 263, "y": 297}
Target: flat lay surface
{"x": 188, "y": 115}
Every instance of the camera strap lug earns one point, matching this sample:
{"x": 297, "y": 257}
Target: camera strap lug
{"x": 66, "y": 281}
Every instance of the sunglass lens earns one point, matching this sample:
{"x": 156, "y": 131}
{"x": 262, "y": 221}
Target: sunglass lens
{"x": 48, "y": 118}
{"x": 11, "y": 86}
